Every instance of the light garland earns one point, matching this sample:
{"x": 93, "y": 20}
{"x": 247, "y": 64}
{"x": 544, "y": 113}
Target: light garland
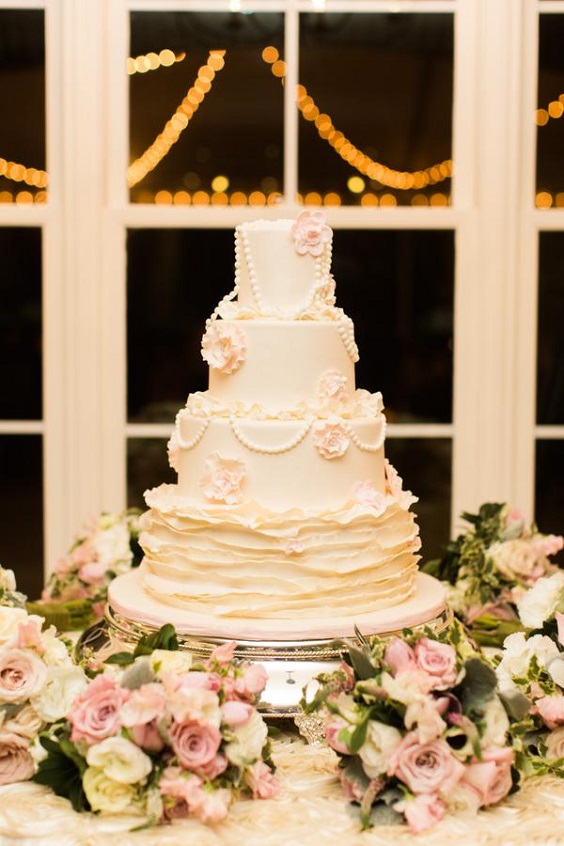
{"x": 153, "y": 61}
{"x": 20, "y": 173}
{"x": 400, "y": 180}
{"x": 174, "y": 127}
{"x": 555, "y": 110}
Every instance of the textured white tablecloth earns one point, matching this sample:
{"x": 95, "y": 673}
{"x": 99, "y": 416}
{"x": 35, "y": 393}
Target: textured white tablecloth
{"x": 309, "y": 811}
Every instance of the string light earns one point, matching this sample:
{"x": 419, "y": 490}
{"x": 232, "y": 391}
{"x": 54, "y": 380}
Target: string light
{"x": 20, "y": 173}
{"x": 153, "y": 61}
{"x": 555, "y": 110}
{"x": 364, "y": 164}
{"x": 174, "y": 127}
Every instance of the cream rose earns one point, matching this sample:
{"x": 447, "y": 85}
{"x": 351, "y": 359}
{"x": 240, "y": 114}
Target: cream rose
{"x": 246, "y": 747}
{"x": 514, "y": 559}
{"x": 497, "y": 724}
{"x": 104, "y": 794}
{"x": 10, "y": 618}
{"x": 120, "y": 760}
{"x": 165, "y": 661}
{"x": 16, "y": 764}
{"x": 380, "y": 744}
{"x": 62, "y": 686}
{"x": 22, "y": 675}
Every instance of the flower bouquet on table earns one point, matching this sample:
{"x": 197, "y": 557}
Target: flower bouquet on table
{"x": 531, "y": 677}
{"x": 418, "y": 727}
{"x": 488, "y": 568}
{"x": 162, "y": 736}
{"x": 77, "y": 590}
{"x": 38, "y": 681}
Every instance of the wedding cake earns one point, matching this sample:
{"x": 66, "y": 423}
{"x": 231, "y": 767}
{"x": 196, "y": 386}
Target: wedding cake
{"x": 286, "y": 516}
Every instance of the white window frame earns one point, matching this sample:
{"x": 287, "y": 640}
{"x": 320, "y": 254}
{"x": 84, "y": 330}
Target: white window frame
{"x": 84, "y": 228}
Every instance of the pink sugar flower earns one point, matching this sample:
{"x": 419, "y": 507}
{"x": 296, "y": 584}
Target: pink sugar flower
{"x": 224, "y": 346}
{"x": 261, "y": 780}
{"x": 223, "y": 479}
{"x": 367, "y": 494}
{"x": 311, "y": 233}
{"x": 195, "y": 745}
{"x": 331, "y": 438}
{"x": 332, "y": 387}
{"x": 95, "y": 714}
{"x": 422, "y": 811}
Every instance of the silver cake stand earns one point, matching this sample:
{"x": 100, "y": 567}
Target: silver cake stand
{"x": 291, "y": 655}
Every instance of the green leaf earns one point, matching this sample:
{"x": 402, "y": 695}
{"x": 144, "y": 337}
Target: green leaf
{"x": 358, "y": 736}
{"x": 164, "y": 638}
{"x": 478, "y": 685}
{"x": 360, "y": 661}
{"x": 123, "y": 659}
{"x": 61, "y": 771}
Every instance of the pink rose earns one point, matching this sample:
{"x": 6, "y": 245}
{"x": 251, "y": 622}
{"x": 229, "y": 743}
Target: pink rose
{"x": 198, "y": 679}
{"x": 148, "y": 737}
{"x": 366, "y": 494}
{"x": 29, "y": 635}
{"x": 425, "y": 767}
{"x": 93, "y": 572}
{"x": 223, "y": 479}
{"x": 236, "y": 713}
{"x": 438, "y": 660}
{"x": 195, "y": 745}
{"x": 399, "y": 656}
{"x": 180, "y": 792}
{"x": 16, "y": 764}
{"x": 331, "y": 438}
{"x": 333, "y": 727}
{"x": 224, "y": 346}
{"x": 214, "y": 768}
{"x": 95, "y": 714}
{"x": 311, "y": 233}
{"x": 250, "y": 682}
{"x": 422, "y": 812}
{"x": 212, "y": 808}
{"x": 551, "y": 709}
{"x": 224, "y": 653}
{"x": 261, "y": 781}
{"x": 490, "y": 779}
{"x": 22, "y": 675}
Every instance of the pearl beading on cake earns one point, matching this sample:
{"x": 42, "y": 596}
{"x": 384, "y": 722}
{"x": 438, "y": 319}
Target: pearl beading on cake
{"x": 232, "y": 294}
{"x": 193, "y": 441}
{"x": 362, "y": 445}
{"x": 345, "y": 327}
{"x": 276, "y": 450}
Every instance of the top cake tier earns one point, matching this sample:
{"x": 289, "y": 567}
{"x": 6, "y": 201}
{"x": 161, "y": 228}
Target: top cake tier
{"x": 282, "y": 267}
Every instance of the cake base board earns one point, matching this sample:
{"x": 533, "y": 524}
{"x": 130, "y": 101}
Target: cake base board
{"x": 128, "y": 599}
{"x": 292, "y": 652}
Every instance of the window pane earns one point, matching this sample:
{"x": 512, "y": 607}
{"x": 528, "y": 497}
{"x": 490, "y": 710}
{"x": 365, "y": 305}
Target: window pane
{"x": 20, "y": 324}
{"x": 176, "y": 277}
{"x": 22, "y": 94}
{"x": 376, "y": 105}
{"x": 224, "y": 107}
{"x": 147, "y": 467}
{"x": 21, "y": 510}
{"x": 425, "y": 466}
{"x": 549, "y": 491}
{"x": 550, "y": 132}
{"x": 550, "y": 361}
{"x": 398, "y": 286}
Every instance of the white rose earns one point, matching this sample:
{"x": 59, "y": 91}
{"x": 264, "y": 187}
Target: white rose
{"x": 170, "y": 661}
{"x": 112, "y": 547}
{"x": 10, "y": 618}
{"x": 381, "y": 742}
{"x": 246, "y": 748}
{"x": 63, "y": 685}
{"x": 555, "y": 743}
{"x": 120, "y": 760}
{"x": 555, "y": 669}
{"x": 7, "y": 580}
{"x": 517, "y": 653}
{"x": 406, "y": 688}
{"x": 56, "y": 653}
{"x": 514, "y": 559}
{"x": 105, "y": 794}
{"x": 542, "y": 600}
{"x": 462, "y": 799}
{"x": 497, "y": 724}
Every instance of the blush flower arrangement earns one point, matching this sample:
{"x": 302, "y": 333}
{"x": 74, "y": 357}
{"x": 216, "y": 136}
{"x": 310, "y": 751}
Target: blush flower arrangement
{"x": 76, "y": 592}
{"x": 38, "y": 681}
{"x": 488, "y": 568}
{"x": 530, "y": 675}
{"x": 162, "y": 736}
{"x": 418, "y": 726}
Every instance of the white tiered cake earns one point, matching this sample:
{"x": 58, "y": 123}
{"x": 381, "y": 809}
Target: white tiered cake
{"x": 287, "y": 520}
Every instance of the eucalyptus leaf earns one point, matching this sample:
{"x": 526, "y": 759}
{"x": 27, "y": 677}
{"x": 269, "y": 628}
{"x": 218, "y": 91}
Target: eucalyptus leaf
{"x": 478, "y": 686}
{"x": 138, "y": 674}
{"x": 360, "y": 660}
{"x": 515, "y": 703}
{"x": 383, "y": 814}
